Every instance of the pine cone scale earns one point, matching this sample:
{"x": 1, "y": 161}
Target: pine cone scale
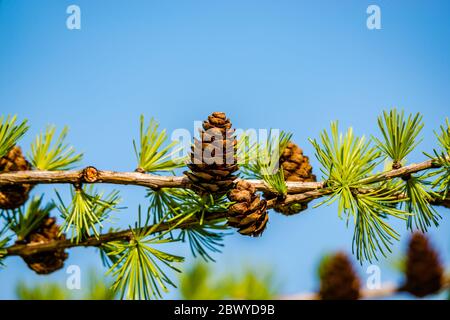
{"x": 12, "y": 197}
{"x": 213, "y": 158}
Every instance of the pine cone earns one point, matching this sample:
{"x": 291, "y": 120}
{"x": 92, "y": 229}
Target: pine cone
{"x": 48, "y": 261}
{"x": 249, "y": 213}
{"x": 424, "y": 271}
{"x": 296, "y": 167}
{"x": 13, "y": 196}
{"x": 213, "y": 159}
{"x": 338, "y": 280}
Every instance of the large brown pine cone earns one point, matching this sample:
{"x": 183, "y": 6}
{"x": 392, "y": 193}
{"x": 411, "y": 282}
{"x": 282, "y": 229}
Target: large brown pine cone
{"x": 12, "y": 197}
{"x": 48, "y": 261}
{"x": 213, "y": 159}
{"x": 296, "y": 167}
{"x": 249, "y": 213}
{"x": 339, "y": 280}
{"x": 424, "y": 271}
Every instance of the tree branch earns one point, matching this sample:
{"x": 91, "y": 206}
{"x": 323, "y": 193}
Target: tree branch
{"x": 126, "y": 235}
{"x": 32, "y": 248}
{"x": 301, "y": 192}
{"x": 92, "y": 175}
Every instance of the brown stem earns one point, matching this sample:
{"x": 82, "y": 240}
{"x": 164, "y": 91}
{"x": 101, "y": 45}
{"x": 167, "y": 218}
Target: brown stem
{"x": 92, "y": 175}
{"x": 403, "y": 171}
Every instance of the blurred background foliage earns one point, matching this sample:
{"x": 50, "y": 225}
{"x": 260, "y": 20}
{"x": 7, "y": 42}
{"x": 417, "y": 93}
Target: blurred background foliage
{"x": 97, "y": 289}
{"x": 200, "y": 282}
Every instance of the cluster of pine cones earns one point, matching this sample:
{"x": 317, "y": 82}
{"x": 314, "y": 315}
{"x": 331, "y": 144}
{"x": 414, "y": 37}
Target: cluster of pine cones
{"x": 424, "y": 273}
{"x": 213, "y": 169}
{"x": 12, "y": 197}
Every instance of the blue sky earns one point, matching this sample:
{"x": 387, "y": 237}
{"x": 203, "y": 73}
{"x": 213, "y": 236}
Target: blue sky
{"x": 293, "y": 65}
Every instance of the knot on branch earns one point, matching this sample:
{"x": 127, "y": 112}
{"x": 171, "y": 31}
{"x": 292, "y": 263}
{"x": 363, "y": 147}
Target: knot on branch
{"x": 396, "y": 165}
{"x": 326, "y": 184}
{"x": 89, "y": 175}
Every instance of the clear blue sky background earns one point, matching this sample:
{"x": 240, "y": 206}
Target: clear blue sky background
{"x": 294, "y": 65}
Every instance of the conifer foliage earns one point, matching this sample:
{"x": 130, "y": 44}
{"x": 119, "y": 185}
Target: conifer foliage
{"x": 230, "y": 183}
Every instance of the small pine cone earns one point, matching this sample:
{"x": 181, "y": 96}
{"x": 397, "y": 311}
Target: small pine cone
{"x": 13, "y": 196}
{"x": 339, "y": 280}
{"x": 296, "y": 168}
{"x": 213, "y": 158}
{"x": 295, "y": 165}
{"x": 249, "y": 213}
{"x": 48, "y": 261}
{"x": 424, "y": 271}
